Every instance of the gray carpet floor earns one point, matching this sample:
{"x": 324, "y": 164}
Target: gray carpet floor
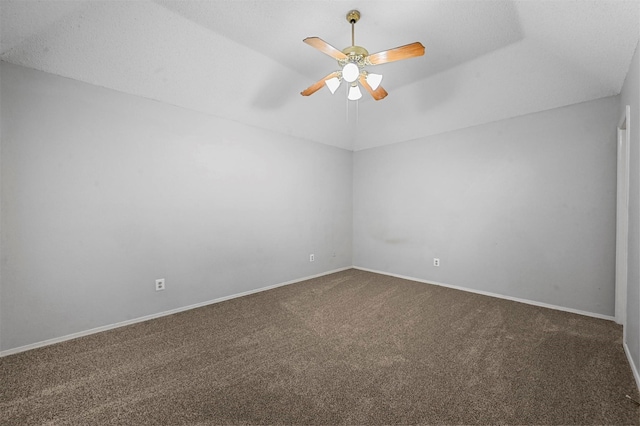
{"x": 348, "y": 348}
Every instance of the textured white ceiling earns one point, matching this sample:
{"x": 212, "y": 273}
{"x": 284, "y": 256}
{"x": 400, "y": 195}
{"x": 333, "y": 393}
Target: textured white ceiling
{"x": 245, "y": 60}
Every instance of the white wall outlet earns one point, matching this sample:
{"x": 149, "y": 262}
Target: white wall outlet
{"x": 312, "y": 258}
{"x": 436, "y": 261}
{"x": 160, "y": 284}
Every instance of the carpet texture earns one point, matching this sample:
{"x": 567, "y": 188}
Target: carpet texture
{"x": 349, "y": 348}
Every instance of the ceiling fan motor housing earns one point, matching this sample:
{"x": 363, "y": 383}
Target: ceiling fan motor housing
{"x": 355, "y": 54}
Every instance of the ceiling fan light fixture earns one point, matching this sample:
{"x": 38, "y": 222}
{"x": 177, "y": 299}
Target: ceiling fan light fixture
{"x": 350, "y": 72}
{"x": 374, "y": 80}
{"x": 353, "y": 59}
{"x": 354, "y": 93}
{"x": 333, "y": 84}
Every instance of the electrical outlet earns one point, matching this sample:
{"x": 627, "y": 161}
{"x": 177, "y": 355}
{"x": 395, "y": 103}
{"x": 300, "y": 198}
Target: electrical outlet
{"x": 436, "y": 261}
{"x": 160, "y": 284}
{"x": 312, "y": 258}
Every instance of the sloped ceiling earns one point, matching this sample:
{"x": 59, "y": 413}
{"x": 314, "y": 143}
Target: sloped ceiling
{"x": 245, "y": 60}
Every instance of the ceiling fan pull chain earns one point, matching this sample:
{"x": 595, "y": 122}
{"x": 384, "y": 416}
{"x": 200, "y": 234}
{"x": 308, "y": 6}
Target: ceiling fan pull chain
{"x": 347, "y": 104}
{"x": 357, "y": 112}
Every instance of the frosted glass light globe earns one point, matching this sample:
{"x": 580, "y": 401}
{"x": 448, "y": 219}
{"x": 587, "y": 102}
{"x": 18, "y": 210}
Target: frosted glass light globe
{"x": 374, "y": 80}
{"x": 332, "y": 84}
{"x": 354, "y": 93}
{"x": 350, "y": 72}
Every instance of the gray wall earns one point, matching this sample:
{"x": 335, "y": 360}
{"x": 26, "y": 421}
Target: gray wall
{"x": 1, "y": 210}
{"x": 630, "y": 95}
{"x": 104, "y": 192}
{"x": 523, "y": 207}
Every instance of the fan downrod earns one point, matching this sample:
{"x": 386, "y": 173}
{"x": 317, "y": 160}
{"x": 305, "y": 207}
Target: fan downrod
{"x": 352, "y": 17}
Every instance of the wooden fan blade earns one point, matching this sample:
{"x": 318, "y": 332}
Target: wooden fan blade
{"x": 377, "y": 94}
{"x": 317, "y": 85}
{"x": 324, "y": 47}
{"x": 403, "y": 52}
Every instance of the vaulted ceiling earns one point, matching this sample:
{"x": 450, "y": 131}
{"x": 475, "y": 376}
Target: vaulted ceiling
{"x": 244, "y": 60}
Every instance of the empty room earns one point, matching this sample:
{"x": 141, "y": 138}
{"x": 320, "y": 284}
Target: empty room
{"x": 319, "y": 212}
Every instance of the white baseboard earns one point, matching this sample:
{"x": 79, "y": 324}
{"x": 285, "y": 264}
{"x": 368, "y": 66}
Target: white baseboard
{"x": 633, "y": 366}
{"x": 158, "y": 315}
{"x": 500, "y": 296}
{"x": 246, "y": 293}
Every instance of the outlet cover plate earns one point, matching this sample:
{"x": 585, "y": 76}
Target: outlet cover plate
{"x": 160, "y": 284}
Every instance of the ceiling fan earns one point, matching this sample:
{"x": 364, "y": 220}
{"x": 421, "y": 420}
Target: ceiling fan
{"x": 352, "y": 61}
